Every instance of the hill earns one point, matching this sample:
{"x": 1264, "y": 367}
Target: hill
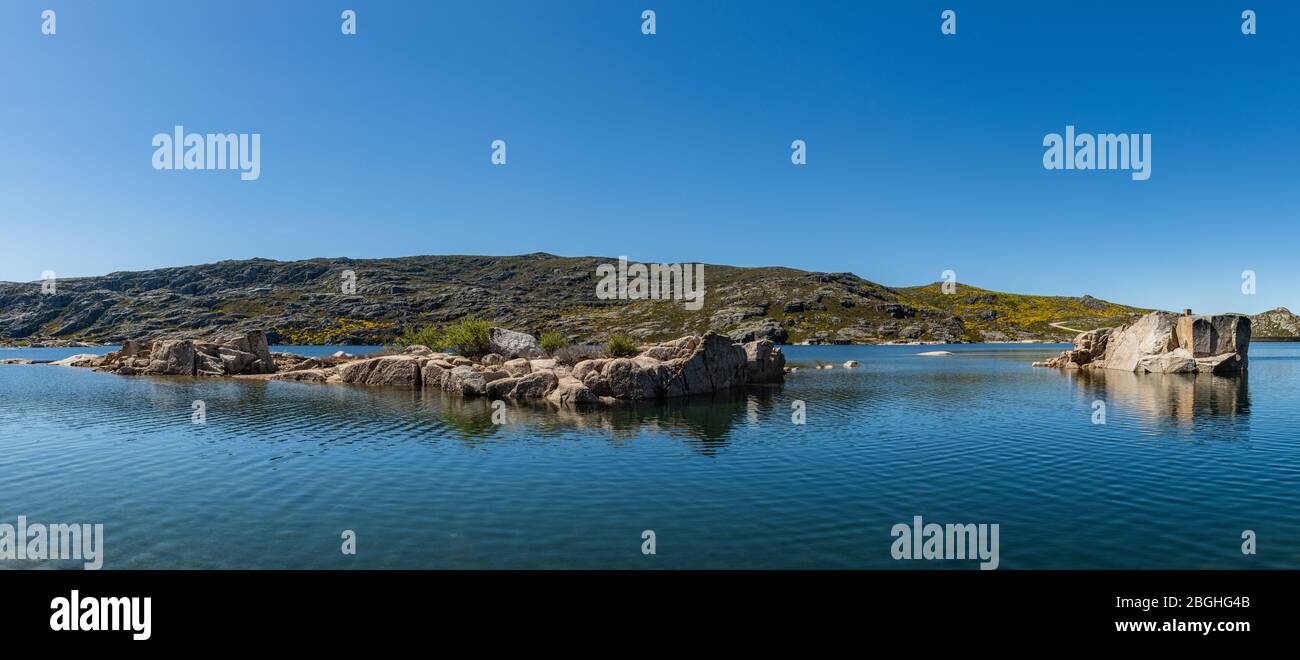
{"x": 1275, "y": 324}
{"x": 302, "y": 303}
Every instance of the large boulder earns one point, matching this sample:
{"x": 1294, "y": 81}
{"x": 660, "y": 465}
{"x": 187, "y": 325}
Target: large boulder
{"x": 255, "y": 344}
{"x": 399, "y": 370}
{"x": 517, "y": 367}
{"x": 172, "y": 357}
{"x": 535, "y": 385}
{"x": 764, "y": 362}
{"x": 1150, "y": 335}
{"x": 1163, "y": 342}
{"x": 1222, "y": 365}
{"x": 629, "y": 378}
{"x": 465, "y": 380}
{"x": 207, "y": 359}
{"x": 511, "y": 344}
{"x": 1209, "y": 336}
{"x": 259, "y": 346}
{"x": 581, "y": 369}
{"x": 570, "y": 391}
{"x": 235, "y": 361}
{"x": 431, "y": 373}
{"x": 1177, "y": 361}
{"x": 689, "y": 365}
{"x": 715, "y": 364}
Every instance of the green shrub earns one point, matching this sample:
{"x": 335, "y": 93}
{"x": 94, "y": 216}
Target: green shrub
{"x": 622, "y": 346}
{"x": 426, "y": 336}
{"x": 552, "y": 341}
{"x": 468, "y": 337}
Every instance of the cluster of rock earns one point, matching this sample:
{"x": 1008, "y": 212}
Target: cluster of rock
{"x": 686, "y": 366}
{"x": 516, "y": 369}
{"x": 242, "y": 354}
{"x": 1163, "y": 342}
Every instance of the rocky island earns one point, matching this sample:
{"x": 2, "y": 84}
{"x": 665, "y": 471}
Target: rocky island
{"x": 1163, "y": 342}
{"x": 515, "y": 368}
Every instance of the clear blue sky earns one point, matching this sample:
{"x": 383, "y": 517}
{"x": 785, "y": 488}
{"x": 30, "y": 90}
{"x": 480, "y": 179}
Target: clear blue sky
{"x": 924, "y": 151}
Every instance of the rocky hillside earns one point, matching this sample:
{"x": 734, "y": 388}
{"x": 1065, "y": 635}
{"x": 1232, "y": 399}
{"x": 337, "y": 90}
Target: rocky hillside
{"x": 1277, "y": 323}
{"x": 300, "y": 302}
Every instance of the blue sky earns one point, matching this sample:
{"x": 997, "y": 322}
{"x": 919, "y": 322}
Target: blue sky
{"x": 924, "y": 150}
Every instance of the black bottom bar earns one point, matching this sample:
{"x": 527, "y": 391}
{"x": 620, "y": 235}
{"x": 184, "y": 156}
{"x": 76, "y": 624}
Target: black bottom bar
{"x": 241, "y": 607}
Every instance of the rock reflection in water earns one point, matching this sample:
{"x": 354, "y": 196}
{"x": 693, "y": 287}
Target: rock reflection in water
{"x": 705, "y": 420}
{"x": 1163, "y": 398}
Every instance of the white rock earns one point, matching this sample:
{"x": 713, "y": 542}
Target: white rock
{"x": 1178, "y": 361}
{"x": 1149, "y": 335}
{"x": 82, "y": 360}
{"x": 511, "y": 344}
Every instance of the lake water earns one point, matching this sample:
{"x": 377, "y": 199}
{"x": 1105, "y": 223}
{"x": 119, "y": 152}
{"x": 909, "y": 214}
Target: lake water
{"x": 1181, "y": 467}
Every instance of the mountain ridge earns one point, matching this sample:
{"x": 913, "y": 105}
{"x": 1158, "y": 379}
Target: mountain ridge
{"x": 301, "y": 302}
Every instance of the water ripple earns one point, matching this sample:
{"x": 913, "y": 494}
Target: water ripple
{"x": 1181, "y": 466}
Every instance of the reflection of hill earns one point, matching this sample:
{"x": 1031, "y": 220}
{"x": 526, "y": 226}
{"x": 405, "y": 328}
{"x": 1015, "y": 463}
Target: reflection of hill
{"x": 705, "y": 420}
{"x": 1180, "y": 398}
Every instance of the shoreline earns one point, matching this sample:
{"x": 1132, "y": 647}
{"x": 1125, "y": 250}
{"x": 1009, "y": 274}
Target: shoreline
{"x": 11, "y": 346}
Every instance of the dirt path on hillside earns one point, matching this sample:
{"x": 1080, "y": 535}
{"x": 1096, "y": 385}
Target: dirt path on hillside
{"x": 1059, "y": 326}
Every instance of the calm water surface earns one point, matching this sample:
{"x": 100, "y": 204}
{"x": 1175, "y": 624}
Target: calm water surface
{"x": 1181, "y": 467}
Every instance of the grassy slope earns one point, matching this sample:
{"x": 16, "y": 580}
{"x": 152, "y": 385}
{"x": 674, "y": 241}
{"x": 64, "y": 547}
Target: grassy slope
{"x": 1018, "y": 312}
